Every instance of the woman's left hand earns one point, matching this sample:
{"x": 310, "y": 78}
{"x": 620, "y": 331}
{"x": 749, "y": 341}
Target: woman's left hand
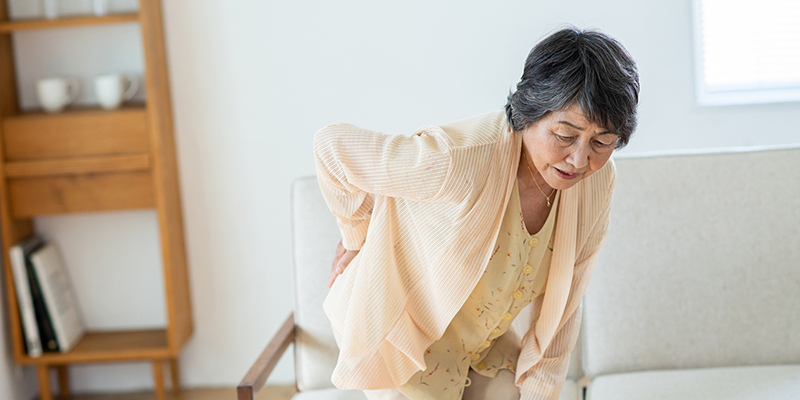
{"x": 341, "y": 260}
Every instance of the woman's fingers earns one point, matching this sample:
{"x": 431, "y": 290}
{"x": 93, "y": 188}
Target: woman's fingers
{"x": 344, "y": 261}
{"x": 341, "y": 260}
{"x": 339, "y": 250}
{"x": 332, "y": 278}
{"x": 337, "y": 254}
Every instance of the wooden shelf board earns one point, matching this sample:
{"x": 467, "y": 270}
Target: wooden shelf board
{"x": 111, "y": 346}
{"x": 78, "y": 111}
{"x": 80, "y": 133}
{"x": 137, "y": 162}
{"x": 60, "y": 194}
{"x": 19, "y": 25}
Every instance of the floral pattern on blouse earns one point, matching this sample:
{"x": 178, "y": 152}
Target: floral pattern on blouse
{"x": 516, "y": 273}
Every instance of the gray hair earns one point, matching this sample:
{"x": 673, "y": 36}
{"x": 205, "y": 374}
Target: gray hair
{"x": 584, "y": 67}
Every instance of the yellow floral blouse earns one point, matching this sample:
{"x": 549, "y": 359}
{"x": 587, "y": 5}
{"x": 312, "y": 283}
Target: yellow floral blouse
{"x": 516, "y": 273}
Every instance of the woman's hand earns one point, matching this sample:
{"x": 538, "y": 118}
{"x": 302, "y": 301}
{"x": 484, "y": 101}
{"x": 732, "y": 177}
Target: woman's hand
{"x": 341, "y": 260}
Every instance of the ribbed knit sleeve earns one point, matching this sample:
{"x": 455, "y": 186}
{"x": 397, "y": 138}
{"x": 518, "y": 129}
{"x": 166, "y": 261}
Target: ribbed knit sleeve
{"x": 545, "y": 380}
{"x": 355, "y": 164}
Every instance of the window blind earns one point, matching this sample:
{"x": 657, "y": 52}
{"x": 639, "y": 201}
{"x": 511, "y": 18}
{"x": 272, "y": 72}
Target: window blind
{"x": 747, "y": 50}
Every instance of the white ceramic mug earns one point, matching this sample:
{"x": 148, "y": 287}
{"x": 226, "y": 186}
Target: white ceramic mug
{"x": 50, "y": 9}
{"x": 56, "y": 93}
{"x": 100, "y": 7}
{"x": 112, "y": 89}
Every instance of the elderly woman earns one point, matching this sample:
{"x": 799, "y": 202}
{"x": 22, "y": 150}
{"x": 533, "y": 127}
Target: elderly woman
{"x": 463, "y": 229}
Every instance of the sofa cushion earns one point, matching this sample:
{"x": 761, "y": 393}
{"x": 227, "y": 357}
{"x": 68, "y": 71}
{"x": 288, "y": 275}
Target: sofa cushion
{"x": 731, "y": 383}
{"x": 701, "y": 265}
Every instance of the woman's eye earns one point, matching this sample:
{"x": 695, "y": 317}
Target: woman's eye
{"x": 565, "y": 139}
{"x": 602, "y": 144}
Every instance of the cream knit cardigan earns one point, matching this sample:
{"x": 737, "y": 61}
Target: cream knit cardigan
{"x": 424, "y": 211}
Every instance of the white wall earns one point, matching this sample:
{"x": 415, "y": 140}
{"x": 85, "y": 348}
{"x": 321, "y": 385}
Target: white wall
{"x": 251, "y": 82}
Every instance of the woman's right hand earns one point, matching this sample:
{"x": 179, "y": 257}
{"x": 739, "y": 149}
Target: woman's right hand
{"x": 341, "y": 260}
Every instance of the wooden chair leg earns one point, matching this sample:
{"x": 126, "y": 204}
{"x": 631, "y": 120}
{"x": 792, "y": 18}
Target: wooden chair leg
{"x": 174, "y": 375}
{"x": 63, "y": 382}
{"x": 158, "y": 379}
{"x": 43, "y": 375}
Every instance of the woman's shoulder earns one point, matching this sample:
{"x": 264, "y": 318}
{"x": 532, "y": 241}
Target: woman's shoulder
{"x": 484, "y": 129}
{"x": 480, "y": 130}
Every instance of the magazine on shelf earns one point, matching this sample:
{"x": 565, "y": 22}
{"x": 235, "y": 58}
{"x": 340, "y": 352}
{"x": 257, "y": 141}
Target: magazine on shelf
{"x": 18, "y": 254}
{"x": 58, "y": 295}
{"x": 47, "y": 336}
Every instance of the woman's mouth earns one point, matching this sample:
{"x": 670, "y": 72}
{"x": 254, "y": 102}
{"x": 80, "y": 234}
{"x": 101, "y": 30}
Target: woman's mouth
{"x": 566, "y": 175}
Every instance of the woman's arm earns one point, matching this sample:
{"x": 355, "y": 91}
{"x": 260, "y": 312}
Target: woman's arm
{"x": 355, "y": 164}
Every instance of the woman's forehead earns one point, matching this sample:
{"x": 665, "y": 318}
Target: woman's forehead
{"x": 573, "y": 116}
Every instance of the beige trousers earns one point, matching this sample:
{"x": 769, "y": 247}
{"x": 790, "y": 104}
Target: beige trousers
{"x": 501, "y": 387}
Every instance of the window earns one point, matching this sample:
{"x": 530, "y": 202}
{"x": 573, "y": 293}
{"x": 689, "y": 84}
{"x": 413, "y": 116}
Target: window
{"x": 747, "y": 51}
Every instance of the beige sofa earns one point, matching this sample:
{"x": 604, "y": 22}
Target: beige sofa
{"x": 696, "y": 294}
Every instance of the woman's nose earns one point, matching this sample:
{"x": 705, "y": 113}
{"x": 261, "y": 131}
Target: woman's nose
{"x": 579, "y": 158}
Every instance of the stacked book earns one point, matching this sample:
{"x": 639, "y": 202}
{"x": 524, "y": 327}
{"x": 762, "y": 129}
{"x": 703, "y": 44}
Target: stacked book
{"x": 50, "y": 317}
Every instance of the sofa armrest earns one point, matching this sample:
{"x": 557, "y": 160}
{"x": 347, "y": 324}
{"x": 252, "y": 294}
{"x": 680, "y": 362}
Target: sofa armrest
{"x": 263, "y": 366}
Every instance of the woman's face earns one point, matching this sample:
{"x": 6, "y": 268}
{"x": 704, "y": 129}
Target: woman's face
{"x": 564, "y": 147}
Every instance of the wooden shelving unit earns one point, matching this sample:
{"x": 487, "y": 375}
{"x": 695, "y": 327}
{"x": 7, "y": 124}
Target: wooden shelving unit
{"x": 11, "y": 26}
{"x": 113, "y": 346}
{"x": 86, "y": 160}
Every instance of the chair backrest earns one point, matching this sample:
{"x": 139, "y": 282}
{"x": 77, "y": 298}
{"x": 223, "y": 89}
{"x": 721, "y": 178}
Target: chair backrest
{"x": 701, "y": 267}
{"x": 315, "y": 235}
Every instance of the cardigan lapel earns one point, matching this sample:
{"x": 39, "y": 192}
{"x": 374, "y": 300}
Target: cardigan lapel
{"x": 559, "y": 279}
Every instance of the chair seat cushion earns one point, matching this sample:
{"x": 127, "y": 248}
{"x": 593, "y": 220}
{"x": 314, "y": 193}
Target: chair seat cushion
{"x": 731, "y": 383}
{"x": 571, "y": 391}
{"x": 330, "y": 394}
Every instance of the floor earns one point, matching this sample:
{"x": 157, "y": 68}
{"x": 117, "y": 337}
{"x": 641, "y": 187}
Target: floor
{"x": 268, "y": 392}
